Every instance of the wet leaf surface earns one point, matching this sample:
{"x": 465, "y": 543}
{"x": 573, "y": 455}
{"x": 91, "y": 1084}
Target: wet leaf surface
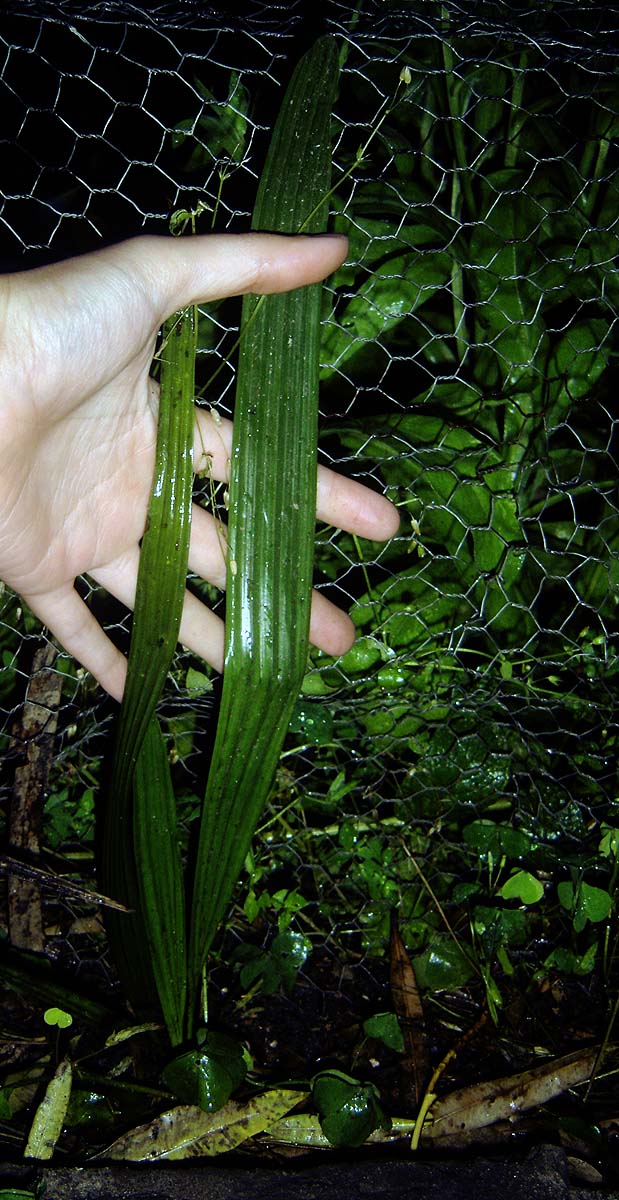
{"x": 188, "y": 1132}
{"x": 50, "y": 1114}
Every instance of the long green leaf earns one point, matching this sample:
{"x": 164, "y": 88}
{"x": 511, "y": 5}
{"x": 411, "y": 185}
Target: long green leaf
{"x": 272, "y": 505}
{"x": 141, "y": 861}
{"x": 160, "y": 877}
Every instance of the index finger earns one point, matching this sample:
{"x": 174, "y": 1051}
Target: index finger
{"x": 342, "y": 502}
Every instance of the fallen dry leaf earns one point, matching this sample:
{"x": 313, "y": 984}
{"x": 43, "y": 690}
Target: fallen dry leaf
{"x": 415, "y": 1064}
{"x": 189, "y": 1132}
{"x": 482, "y": 1104}
{"x": 50, "y": 1115}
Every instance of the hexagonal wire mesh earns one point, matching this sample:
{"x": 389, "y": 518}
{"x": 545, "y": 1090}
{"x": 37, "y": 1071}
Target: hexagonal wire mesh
{"x": 469, "y": 356}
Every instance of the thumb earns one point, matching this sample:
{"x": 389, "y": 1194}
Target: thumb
{"x": 186, "y": 271}
{"x": 123, "y": 293}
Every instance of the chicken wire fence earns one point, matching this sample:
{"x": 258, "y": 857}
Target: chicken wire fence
{"x": 469, "y": 371}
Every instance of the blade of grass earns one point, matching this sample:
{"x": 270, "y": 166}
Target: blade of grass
{"x": 272, "y": 506}
{"x": 141, "y": 862}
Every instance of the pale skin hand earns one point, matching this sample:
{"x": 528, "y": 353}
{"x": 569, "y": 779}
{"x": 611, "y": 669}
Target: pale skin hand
{"x": 78, "y": 430}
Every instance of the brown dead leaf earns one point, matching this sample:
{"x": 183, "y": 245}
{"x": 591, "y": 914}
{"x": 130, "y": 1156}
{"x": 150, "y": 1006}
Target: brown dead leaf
{"x": 500, "y": 1099}
{"x": 415, "y": 1064}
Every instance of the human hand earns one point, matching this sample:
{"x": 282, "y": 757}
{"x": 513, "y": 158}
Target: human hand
{"x": 78, "y": 425}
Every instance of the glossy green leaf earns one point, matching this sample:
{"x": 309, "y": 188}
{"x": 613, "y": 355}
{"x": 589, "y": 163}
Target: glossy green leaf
{"x": 487, "y": 837}
{"x": 92, "y": 1111}
{"x": 392, "y": 677}
{"x": 278, "y": 966}
{"x": 505, "y": 520}
{"x": 471, "y": 502}
{"x": 443, "y": 965}
{"x": 290, "y": 950}
{"x": 313, "y": 722}
{"x": 585, "y": 902}
{"x": 568, "y": 962}
{"x": 366, "y": 653}
{"x": 609, "y": 842}
{"x": 349, "y": 1110}
{"x": 160, "y": 877}
{"x": 391, "y": 293}
{"x": 271, "y": 516}
{"x": 489, "y": 549}
{"x": 386, "y": 1028}
{"x": 499, "y": 927}
{"x": 207, "y": 1077}
{"x": 140, "y": 861}
{"x": 523, "y": 886}
{"x": 197, "y": 682}
{"x": 581, "y": 357}
{"x": 372, "y": 244}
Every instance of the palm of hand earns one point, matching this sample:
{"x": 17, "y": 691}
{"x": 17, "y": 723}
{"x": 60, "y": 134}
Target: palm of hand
{"x": 77, "y": 439}
{"x": 83, "y": 491}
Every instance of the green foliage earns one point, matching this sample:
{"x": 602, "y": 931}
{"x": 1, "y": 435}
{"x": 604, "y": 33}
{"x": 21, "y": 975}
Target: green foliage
{"x": 523, "y": 886}
{"x": 269, "y": 561}
{"x": 276, "y": 967}
{"x": 471, "y": 457}
{"x": 385, "y": 1028}
{"x": 585, "y": 902}
{"x": 69, "y": 818}
{"x": 569, "y": 962}
{"x": 91, "y": 1110}
{"x": 208, "y": 1075}
{"x": 268, "y": 581}
{"x": 197, "y": 682}
{"x": 313, "y": 722}
{"x": 442, "y": 966}
{"x": 160, "y": 878}
{"x": 140, "y": 858}
{"x": 479, "y": 699}
{"x": 281, "y": 905}
{"x": 489, "y": 838}
{"x": 458, "y": 764}
{"x": 221, "y": 129}
{"x": 58, "y": 1017}
{"x": 369, "y": 862}
{"x": 349, "y": 1110}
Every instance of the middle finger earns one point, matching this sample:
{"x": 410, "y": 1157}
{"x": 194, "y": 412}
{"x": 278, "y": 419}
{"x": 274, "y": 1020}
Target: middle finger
{"x": 330, "y": 629}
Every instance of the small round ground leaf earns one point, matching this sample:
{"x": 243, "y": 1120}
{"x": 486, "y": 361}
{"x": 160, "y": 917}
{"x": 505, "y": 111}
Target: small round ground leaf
{"x": 57, "y": 1016}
